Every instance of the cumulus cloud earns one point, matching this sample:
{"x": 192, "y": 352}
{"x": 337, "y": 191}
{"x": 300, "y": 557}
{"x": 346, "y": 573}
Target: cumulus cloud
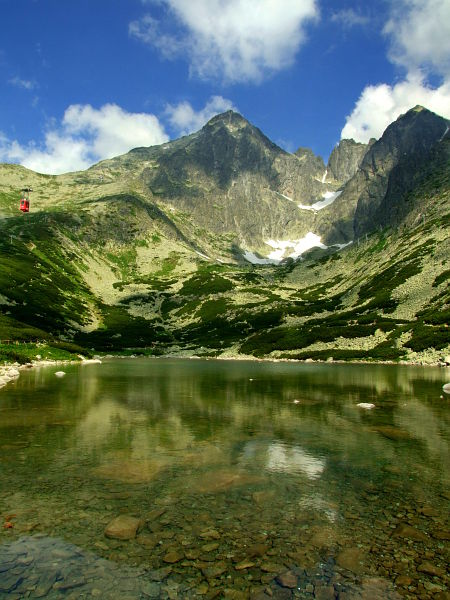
{"x": 380, "y": 105}
{"x": 234, "y": 40}
{"x": 85, "y": 136}
{"x": 59, "y": 154}
{"x": 112, "y": 130}
{"x": 418, "y": 32}
{"x": 184, "y": 119}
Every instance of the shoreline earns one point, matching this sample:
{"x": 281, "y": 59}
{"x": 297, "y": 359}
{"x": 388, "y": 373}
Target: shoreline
{"x": 11, "y": 371}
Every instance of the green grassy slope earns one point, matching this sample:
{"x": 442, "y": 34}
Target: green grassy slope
{"x": 99, "y": 263}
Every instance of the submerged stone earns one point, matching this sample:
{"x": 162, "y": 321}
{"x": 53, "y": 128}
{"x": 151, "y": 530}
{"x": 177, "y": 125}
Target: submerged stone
{"x": 407, "y": 531}
{"x": 403, "y": 581}
{"x": 324, "y": 592}
{"x": 258, "y": 549}
{"x": 263, "y": 496}
{"x": 215, "y": 570}
{"x": 352, "y": 559}
{"x": 130, "y": 471}
{"x": 430, "y": 569}
{"x": 245, "y": 564}
{"x": 219, "y": 481}
{"x": 210, "y": 534}
{"x": 442, "y": 534}
{"x": 392, "y": 433}
{"x": 123, "y": 527}
{"x": 287, "y": 580}
{"x": 173, "y": 557}
{"x": 270, "y": 567}
{"x": 9, "y": 582}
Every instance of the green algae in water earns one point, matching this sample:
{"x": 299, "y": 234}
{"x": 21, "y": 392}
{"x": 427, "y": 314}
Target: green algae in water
{"x": 239, "y": 473}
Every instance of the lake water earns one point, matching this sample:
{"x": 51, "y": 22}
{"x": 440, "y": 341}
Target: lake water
{"x": 230, "y": 480}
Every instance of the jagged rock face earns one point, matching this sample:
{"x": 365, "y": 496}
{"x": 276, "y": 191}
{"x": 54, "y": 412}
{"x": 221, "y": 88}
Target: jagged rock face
{"x": 230, "y": 178}
{"x": 389, "y": 170}
{"x": 310, "y": 162}
{"x": 227, "y": 188}
{"x": 130, "y": 252}
{"x": 393, "y": 164}
{"x": 346, "y": 159}
{"x": 397, "y": 204}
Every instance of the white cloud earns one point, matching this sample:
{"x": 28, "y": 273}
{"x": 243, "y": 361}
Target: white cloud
{"x": 419, "y": 35}
{"x": 419, "y": 32}
{"x": 380, "y": 105}
{"x": 235, "y": 40}
{"x": 184, "y": 119}
{"x": 113, "y": 131}
{"x": 147, "y": 30}
{"x": 59, "y": 154}
{"x": 85, "y": 136}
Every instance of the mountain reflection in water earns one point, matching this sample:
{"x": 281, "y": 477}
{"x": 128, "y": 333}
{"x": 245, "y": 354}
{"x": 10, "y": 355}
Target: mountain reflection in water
{"x": 239, "y": 472}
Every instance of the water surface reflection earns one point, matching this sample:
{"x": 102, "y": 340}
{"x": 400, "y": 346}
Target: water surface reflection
{"x": 239, "y": 472}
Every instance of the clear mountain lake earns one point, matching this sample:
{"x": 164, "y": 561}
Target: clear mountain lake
{"x": 172, "y": 478}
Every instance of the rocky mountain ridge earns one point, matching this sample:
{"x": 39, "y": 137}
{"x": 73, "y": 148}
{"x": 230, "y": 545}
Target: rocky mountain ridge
{"x": 389, "y": 170}
{"x": 184, "y": 247}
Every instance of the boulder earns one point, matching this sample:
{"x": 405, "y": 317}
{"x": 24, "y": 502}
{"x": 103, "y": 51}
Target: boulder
{"x": 287, "y": 580}
{"x": 352, "y": 559}
{"x": 406, "y": 531}
{"x": 123, "y": 527}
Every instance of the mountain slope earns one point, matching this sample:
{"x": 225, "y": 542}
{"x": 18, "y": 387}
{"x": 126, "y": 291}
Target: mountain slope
{"x": 132, "y": 253}
{"x": 390, "y": 169}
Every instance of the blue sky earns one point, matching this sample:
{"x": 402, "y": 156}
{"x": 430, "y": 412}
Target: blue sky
{"x": 89, "y": 79}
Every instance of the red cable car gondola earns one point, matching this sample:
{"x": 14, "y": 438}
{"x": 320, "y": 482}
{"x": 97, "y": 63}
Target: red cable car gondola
{"x": 24, "y": 205}
{"x": 25, "y": 200}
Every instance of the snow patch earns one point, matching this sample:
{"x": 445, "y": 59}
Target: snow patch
{"x": 287, "y": 197}
{"x": 283, "y": 249}
{"x": 202, "y": 255}
{"x": 328, "y": 198}
{"x": 305, "y": 207}
{"x": 284, "y": 196}
{"x": 286, "y": 249}
{"x": 255, "y": 260}
{"x": 298, "y": 247}
{"x": 340, "y": 246}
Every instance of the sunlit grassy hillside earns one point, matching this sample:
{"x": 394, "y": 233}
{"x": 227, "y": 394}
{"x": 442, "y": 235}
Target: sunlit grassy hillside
{"x": 100, "y": 263}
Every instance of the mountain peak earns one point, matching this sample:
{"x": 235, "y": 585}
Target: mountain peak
{"x": 346, "y": 159}
{"x": 231, "y": 119}
{"x": 419, "y": 114}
